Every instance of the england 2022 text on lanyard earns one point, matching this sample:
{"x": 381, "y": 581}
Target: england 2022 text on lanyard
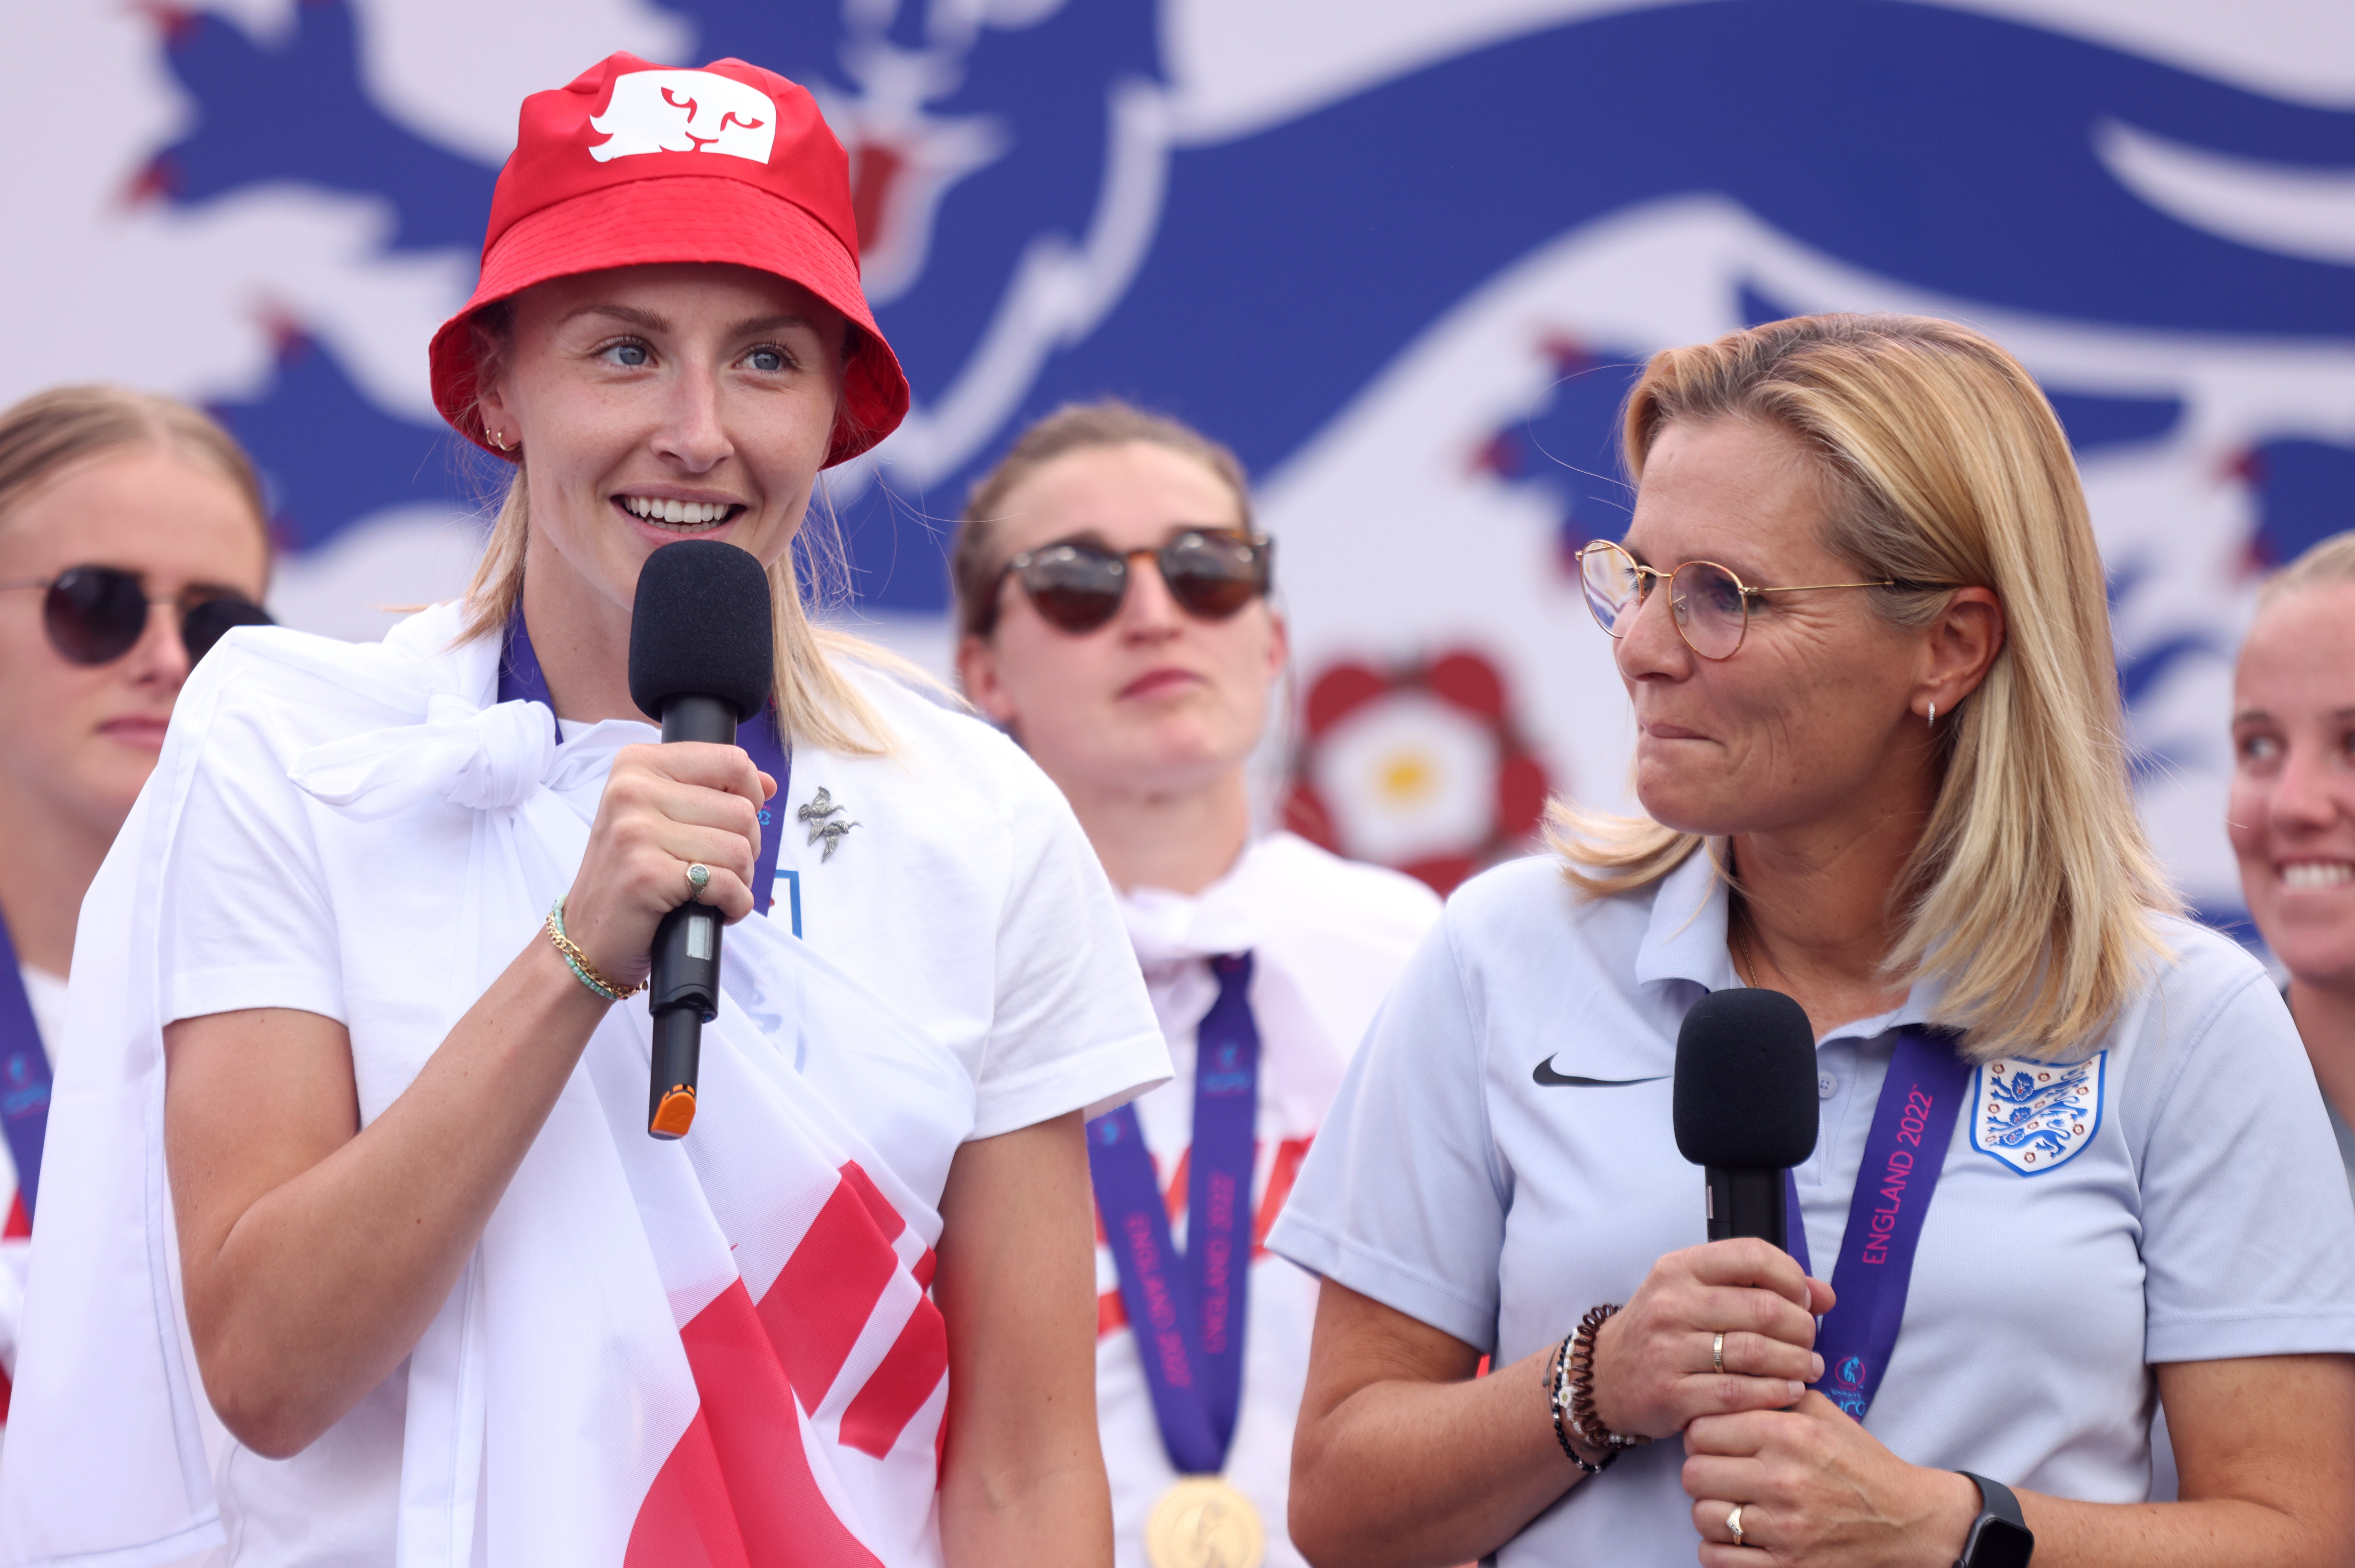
{"x": 1189, "y": 1314}
{"x": 1912, "y": 1126}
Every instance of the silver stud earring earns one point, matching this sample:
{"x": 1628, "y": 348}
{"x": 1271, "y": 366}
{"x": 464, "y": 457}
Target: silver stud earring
{"x": 1933, "y": 715}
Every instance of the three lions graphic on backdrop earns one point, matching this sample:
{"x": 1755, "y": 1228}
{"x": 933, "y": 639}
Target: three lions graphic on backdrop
{"x": 1411, "y": 296}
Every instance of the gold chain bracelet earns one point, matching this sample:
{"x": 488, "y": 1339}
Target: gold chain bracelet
{"x": 583, "y": 970}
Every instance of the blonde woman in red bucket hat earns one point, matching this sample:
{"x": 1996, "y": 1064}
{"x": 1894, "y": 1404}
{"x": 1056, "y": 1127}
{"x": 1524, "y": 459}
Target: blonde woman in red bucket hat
{"x": 357, "y": 1247}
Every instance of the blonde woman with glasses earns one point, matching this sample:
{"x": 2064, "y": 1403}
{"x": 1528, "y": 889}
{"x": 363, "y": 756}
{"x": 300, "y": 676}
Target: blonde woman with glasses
{"x": 1879, "y": 748}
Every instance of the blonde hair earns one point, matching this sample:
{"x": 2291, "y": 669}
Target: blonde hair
{"x": 1074, "y": 427}
{"x": 2324, "y": 565}
{"x": 814, "y": 700}
{"x": 1943, "y": 463}
{"x": 49, "y": 431}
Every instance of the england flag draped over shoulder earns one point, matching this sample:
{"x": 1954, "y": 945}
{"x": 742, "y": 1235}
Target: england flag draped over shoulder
{"x": 713, "y": 1353}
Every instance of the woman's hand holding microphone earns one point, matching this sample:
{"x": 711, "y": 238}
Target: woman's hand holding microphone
{"x": 664, "y": 810}
{"x": 1811, "y": 1485}
{"x": 1657, "y": 1363}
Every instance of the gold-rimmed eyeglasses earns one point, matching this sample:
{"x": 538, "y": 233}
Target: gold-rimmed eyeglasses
{"x": 1711, "y": 605}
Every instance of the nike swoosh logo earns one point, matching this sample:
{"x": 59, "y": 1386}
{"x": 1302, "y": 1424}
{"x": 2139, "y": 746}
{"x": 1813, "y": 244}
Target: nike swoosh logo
{"x": 1546, "y": 1078}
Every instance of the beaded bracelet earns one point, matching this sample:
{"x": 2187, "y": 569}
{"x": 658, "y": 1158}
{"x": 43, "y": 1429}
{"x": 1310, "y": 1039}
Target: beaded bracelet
{"x": 583, "y": 970}
{"x": 1575, "y": 1391}
{"x": 1560, "y": 1404}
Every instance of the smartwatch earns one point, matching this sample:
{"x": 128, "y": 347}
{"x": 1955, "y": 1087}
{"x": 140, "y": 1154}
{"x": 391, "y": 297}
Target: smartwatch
{"x": 2000, "y": 1537}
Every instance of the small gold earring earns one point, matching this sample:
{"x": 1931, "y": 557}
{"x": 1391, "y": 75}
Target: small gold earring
{"x": 497, "y": 440}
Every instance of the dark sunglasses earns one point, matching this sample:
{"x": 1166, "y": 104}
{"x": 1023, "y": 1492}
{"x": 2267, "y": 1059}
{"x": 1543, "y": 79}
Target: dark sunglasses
{"x": 1078, "y": 587}
{"x": 94, "y": 615}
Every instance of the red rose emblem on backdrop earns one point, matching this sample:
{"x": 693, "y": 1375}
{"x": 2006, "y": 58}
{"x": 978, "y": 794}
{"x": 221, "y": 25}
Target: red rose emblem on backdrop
{"x": 1421, "y": 769}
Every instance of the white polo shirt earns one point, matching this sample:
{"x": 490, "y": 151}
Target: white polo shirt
{"x": 2201, "y": 1214}
{"x": 1327, "y": 937}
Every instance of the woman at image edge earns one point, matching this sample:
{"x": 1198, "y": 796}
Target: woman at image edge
{"x": 447, "y": 1297}
{"x": 1113, "y": 596}
{"x": 1879, "y": 742}
{"x": 2292, "y": 813}
{"x": 120, "y": 515}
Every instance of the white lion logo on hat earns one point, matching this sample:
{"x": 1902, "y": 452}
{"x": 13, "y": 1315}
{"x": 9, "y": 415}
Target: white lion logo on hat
{"x": 685, "y": 111}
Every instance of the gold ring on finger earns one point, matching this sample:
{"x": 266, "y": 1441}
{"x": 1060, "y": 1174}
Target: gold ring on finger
{"x": 1733, "y": 1523}
{"x": 699, "y": 877}
{"x": 1717, "y": 1353}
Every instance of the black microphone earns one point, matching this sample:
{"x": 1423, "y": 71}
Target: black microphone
{"x": 1745, "y": 1106}
{"x": 702, "y": 654}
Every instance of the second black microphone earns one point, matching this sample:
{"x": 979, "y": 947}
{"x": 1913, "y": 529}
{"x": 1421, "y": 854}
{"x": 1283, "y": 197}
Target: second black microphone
{"x": 1745, "y": 1106}
{"x": 702, "y": 655}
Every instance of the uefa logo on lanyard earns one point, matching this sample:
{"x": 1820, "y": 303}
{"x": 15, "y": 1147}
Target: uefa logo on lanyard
{"x": 1849, "y": 1386}
{"x": 26, "y": 1090}
{"x": 2035, "y": 1115}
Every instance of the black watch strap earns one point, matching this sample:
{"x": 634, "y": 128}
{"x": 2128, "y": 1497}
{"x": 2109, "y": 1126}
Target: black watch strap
{"x": 2000, "y": 1537}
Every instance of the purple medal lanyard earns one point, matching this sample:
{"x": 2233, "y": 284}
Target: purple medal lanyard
{"x": 24, "y": 1075}
{"x": 522, "y": 679}
{"x": 1912, "y": 1124}
{"x": 1189, "y": 1323}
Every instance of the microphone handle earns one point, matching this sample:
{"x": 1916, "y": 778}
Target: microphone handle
{"x": 1747, "y": 1203}
{"x": 684, "y": 994}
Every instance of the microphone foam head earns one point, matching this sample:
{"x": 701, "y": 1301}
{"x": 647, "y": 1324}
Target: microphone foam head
{"x": 1745, "y": 1090}
{"x": 702, "y": 627}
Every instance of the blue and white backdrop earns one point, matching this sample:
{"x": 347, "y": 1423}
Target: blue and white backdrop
{"x": 1402, "y": 254}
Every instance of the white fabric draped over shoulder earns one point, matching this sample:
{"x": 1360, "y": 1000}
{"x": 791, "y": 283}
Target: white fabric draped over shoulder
{"x": 485, "y": 758}
{"x": 555, "y": 1389}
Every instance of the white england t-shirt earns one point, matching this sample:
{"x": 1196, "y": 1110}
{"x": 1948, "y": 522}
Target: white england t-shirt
{"x": 1327, "y": 936}
{"x": 965, "y": 894}
{"x": 2195, "y": 1209}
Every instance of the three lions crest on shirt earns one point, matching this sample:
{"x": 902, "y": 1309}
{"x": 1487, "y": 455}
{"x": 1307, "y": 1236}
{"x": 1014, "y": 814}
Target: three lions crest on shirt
{"x": 2035, "y": 1115}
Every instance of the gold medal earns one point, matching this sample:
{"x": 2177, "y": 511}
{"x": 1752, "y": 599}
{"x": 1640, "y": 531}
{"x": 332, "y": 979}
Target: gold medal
{"x": 1205, "y": 1524}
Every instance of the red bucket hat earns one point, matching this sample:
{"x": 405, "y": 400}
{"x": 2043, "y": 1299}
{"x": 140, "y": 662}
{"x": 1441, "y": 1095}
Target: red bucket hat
{"x": 637, "y": 162}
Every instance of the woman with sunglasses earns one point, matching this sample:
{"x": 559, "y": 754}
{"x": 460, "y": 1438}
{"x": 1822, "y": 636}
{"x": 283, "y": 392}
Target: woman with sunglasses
{"x": 131, "y": 537}
{"x": 378, "y": 1015}
{"x": 1113, "y": 598}
{"x": 2070, "y": 1165}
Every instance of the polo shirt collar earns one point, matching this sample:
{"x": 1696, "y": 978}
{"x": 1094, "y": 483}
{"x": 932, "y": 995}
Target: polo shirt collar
{"x": 1685, "y": 940}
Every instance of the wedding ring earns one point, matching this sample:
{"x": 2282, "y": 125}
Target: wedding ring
{"x": 699, "y": 877}
{"x": 1733, "y": 1523}
{"x": 1717, "y": 1353}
